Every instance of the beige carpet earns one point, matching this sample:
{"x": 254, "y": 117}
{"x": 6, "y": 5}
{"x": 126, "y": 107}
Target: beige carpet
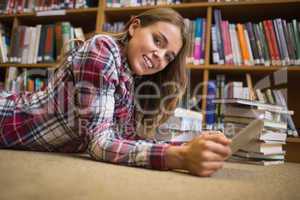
{"x": 33, "y": 175}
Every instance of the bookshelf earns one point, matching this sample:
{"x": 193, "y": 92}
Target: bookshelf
{"x": 93, "y": 19}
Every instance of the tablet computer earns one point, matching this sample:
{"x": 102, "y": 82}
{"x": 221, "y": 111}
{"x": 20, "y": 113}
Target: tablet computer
{"x": 244, "y": 136}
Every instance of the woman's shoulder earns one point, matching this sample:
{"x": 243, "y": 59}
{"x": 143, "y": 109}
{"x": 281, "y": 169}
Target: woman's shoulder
{"x": 107, "y": 44}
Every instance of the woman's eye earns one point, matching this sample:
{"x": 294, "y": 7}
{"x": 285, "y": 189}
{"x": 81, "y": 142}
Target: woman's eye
{"x": 157, "y": 41}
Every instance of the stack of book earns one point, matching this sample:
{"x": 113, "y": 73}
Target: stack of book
{"x": 182, "y": 126}
{"x": 237, "y": 91}
{"x": 196, "y": 48}
{"x": 267, "y": 148}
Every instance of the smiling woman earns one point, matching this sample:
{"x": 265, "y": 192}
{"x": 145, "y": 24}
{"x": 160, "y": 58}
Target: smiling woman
{"x": 149, "y": 50}
{"x": 108, "y": 96}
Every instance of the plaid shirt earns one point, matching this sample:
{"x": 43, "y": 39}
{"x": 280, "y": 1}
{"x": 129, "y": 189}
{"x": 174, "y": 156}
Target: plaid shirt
{"x": 86, "y": 106}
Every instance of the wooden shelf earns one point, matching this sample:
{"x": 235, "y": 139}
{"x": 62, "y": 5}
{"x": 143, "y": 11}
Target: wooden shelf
{"x": 230, "y": 68}
{"x": 39, "y": 65}
{"x": 247, "y": 3}
{"x": 201, "y": 4}
{"x": 68, "y": 12}
{"x": 243, "y": 68}
{"x": 292, "y": 149}
{"x": 293, "y": 140}
{"x": 7, "y": 17}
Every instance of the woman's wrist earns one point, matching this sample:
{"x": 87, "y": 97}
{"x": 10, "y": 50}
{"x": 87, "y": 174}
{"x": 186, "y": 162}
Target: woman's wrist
{"x": 175, "y": 157}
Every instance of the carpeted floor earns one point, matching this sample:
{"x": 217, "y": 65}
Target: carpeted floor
{"x": 34, "y": 175}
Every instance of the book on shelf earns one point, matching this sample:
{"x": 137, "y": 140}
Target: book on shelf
{"x": 41, "y": 43}
{"x": 4, "y": 43}
{"x": 26, "y": 6}
{"x": 25, "y": 80}
{"x": 268, "y": 42}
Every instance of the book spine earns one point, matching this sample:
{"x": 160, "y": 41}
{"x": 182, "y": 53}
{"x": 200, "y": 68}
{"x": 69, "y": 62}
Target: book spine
{"x": 290, "y": 45}
{"x": 218, "y": 19}
{"x": 191, "y": 51}
{"x": 283, "y": 42}
{"x": 42, "y": 44}
{"x": 297, "y": 39}
{"x": 203, "y": 41}
{"x": 21, "y": 46}
{"x": 66, "y": 32}
{"x": 274, "y": 43}
{"x": 37, "y": 42}
{"x": 243, "y": 46}
{"x": 265, "y": 47}
{"x": 230, "y": 51}
{"x": 216, "y": 56}
{"x": 210, "y": 107}
{"x": 279, "y": 42}
{"x": 197, "y": 44}
{"x": 225, "y": 42}
{"x": 258, "y": 44}
{"x": 254, "y": 49}
{"x": 232, "y": 44}
{"x": 49, "y": 48}
{"x": 248, "y": 46}
{"x": 58, "y": 38}
{"x": 269, "y": 42}
{"x": 236, "y": 44}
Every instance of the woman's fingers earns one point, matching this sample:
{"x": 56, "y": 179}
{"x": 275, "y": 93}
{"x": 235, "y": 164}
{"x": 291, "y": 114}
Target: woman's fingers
{"x": 211, "y": 156}
{"x": 217, "y": 148}
{"x": 217, "y": 137}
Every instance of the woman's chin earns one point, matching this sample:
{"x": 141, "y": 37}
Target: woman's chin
{"x": 138, "y": 70}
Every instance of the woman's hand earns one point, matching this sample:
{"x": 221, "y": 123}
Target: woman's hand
{"x": 202, "y": 156}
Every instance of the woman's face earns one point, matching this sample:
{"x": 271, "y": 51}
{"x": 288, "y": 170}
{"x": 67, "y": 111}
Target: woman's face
{"x": 153, "y": 47}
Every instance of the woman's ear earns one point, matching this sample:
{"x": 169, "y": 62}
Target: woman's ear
{"x": 136, "y": 23}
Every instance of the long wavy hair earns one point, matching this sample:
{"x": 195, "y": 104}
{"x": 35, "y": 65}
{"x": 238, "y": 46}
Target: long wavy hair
{"x": 171, "y": 81}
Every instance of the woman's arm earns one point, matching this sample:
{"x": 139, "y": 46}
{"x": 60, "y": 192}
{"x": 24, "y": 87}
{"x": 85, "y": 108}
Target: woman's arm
{"x": 98, "y": 67}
